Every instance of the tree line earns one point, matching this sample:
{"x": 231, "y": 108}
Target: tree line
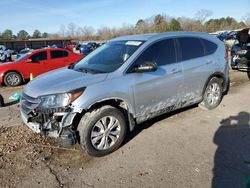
{"x": 21, "y": 35}
{"x": 154, "y": 24}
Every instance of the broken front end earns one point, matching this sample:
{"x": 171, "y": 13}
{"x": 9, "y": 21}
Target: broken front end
{"x": 51, "y": 115}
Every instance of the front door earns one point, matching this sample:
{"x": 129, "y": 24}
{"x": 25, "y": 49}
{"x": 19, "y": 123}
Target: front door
{"x": 159, "y": 91}
{"x": 38, "y": 64}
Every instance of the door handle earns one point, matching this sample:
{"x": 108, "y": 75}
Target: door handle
{"x": 209, "y": 62}
{"x": 175, "y": 71}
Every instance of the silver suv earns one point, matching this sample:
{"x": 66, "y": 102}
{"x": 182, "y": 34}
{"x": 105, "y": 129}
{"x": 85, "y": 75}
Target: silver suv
{"x": 125, "y": 82}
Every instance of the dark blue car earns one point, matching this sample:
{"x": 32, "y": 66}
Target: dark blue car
{"x": 85, "y": 49}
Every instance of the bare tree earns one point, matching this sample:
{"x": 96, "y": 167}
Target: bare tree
{"x": 62, "y": 31}
{"x": 203, "y": 14}
{"x": 72, "y": 30}
{"x": 87, "y": 32}
{"x": 189, "y": 24}
{"x": 55, "y": 36}
{"x": 246, "y": 18}
{"x": 126, "y": 29}
{"x": 104, "y": 33}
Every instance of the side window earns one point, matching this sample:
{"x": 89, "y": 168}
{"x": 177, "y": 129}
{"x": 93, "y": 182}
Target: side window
{"x": 65, "y": 54}
{"x": 39, "y": 56}
{"x": 148, "y": 56}
{"x": 210, "y": 47}
{"x": 190, "y": 48}
{"x": 58, "y": 54}
{"x": 167, "y": 54}
{"x": 162, "y": 53}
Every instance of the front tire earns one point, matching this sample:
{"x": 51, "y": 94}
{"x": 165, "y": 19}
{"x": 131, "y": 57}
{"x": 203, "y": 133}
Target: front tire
{"x": 12, "y": 79}
{"x": 212, "y": 95}
{"x": 102, "y": 130}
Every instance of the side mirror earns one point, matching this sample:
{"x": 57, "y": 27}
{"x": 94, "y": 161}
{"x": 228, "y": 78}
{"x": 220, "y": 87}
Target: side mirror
{"x": 147, "y": 67}
{"x": 28, "y": 60}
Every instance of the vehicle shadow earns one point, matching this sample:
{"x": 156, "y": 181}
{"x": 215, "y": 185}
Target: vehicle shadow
{"x": 232, "y": 157}
{"x": 147, "y": 124}
{"x": 11, "y": 103}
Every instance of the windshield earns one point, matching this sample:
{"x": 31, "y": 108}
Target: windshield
{"x": 22, "y": 56}
{"x": 108, "y": 57}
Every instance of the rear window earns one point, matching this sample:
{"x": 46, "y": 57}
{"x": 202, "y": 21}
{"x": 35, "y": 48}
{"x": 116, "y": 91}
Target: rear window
{"x": 58, "y": 54}
{"x": 190, "y": 48}
{"x": 210, "y": 47}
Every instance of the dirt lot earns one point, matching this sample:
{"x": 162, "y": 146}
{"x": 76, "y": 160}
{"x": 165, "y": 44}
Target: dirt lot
{"x": 188, "y": 148}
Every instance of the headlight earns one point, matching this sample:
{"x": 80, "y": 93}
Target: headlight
{"x": 58, "y": 100}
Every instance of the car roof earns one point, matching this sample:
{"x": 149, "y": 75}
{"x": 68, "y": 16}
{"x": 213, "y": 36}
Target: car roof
{"x": 156, "y": 36}
{"x": 44, "y": 49}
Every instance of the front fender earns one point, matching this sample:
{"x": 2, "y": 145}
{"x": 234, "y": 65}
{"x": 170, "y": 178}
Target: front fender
{"x": 4, "y": 73}
{"x": 84, "y": 104}
{"x": 1, "y": 77}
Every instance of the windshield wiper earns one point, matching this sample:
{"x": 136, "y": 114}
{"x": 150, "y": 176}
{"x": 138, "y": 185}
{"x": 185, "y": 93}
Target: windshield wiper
{"x": 71, "y": 66}
{"x": 86, "y": 70}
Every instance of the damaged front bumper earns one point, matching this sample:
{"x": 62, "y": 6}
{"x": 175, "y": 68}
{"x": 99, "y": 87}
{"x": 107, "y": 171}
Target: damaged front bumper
{"x": 51, "y": 122}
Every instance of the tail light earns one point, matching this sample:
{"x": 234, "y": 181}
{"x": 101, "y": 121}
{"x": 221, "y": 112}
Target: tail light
{"x": 226, "y": 54}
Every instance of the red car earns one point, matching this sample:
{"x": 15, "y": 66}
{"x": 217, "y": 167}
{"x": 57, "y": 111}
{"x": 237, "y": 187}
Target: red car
{"x": 36, "y": 62}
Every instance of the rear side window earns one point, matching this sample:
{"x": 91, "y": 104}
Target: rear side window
{"x": 210, "y": 47}
{"x": 58, "y": 54}
{"x": 190, "y": 48}
{"x": 39, "y": 56}
{"x": 162, "y": 53}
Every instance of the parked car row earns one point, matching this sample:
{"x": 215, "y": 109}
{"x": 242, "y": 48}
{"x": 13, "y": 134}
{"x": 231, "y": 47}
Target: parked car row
{"x": 241, "y": 50}
{"x": 35, "y": 62}
{"x": 88, "y": 47}
{"x": 39, "y": 61}
{"x": 5, "y": 54}
{"x": 238, "y": 44}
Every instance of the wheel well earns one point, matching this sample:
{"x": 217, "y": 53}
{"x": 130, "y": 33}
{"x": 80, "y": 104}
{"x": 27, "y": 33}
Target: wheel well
{"x": 15, "y": 72}
{"x": 221, "y": 78}
{"x": 217, "y": 75}
{"x": 117, "y": 103}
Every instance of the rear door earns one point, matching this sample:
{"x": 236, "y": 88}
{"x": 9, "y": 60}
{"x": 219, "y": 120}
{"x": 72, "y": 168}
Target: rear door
{"x": 197, "y": 67}
{"x": 59, "y": 58}
{"x": 159, "y": 91}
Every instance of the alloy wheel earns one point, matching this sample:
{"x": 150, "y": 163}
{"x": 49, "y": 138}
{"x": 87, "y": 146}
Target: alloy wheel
{"x": 105, "y": 132}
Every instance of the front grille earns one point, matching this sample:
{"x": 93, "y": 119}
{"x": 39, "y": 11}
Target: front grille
{"x": 28, "y": 103}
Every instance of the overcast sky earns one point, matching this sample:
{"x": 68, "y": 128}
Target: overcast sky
{"x": 49, "y": 15}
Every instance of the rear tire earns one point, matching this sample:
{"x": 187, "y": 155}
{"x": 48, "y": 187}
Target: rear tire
{"x": 212, "y": 95}
{"x": 12, "y": 79}
{"x": 102, "y": 130}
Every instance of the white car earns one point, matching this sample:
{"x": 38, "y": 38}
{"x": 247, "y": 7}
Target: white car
{"x": 4, "y": 54}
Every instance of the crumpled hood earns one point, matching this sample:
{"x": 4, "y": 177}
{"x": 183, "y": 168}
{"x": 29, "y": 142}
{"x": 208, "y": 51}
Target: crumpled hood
{"x": 61, "y": 81}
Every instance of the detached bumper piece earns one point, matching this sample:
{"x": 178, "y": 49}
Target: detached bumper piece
{"x": 67, "y": 137}
{"x": 54, "y": 122}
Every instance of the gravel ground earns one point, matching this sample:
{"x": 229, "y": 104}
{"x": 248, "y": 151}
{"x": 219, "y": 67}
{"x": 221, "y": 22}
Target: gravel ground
{"x": 187, "y": 148}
